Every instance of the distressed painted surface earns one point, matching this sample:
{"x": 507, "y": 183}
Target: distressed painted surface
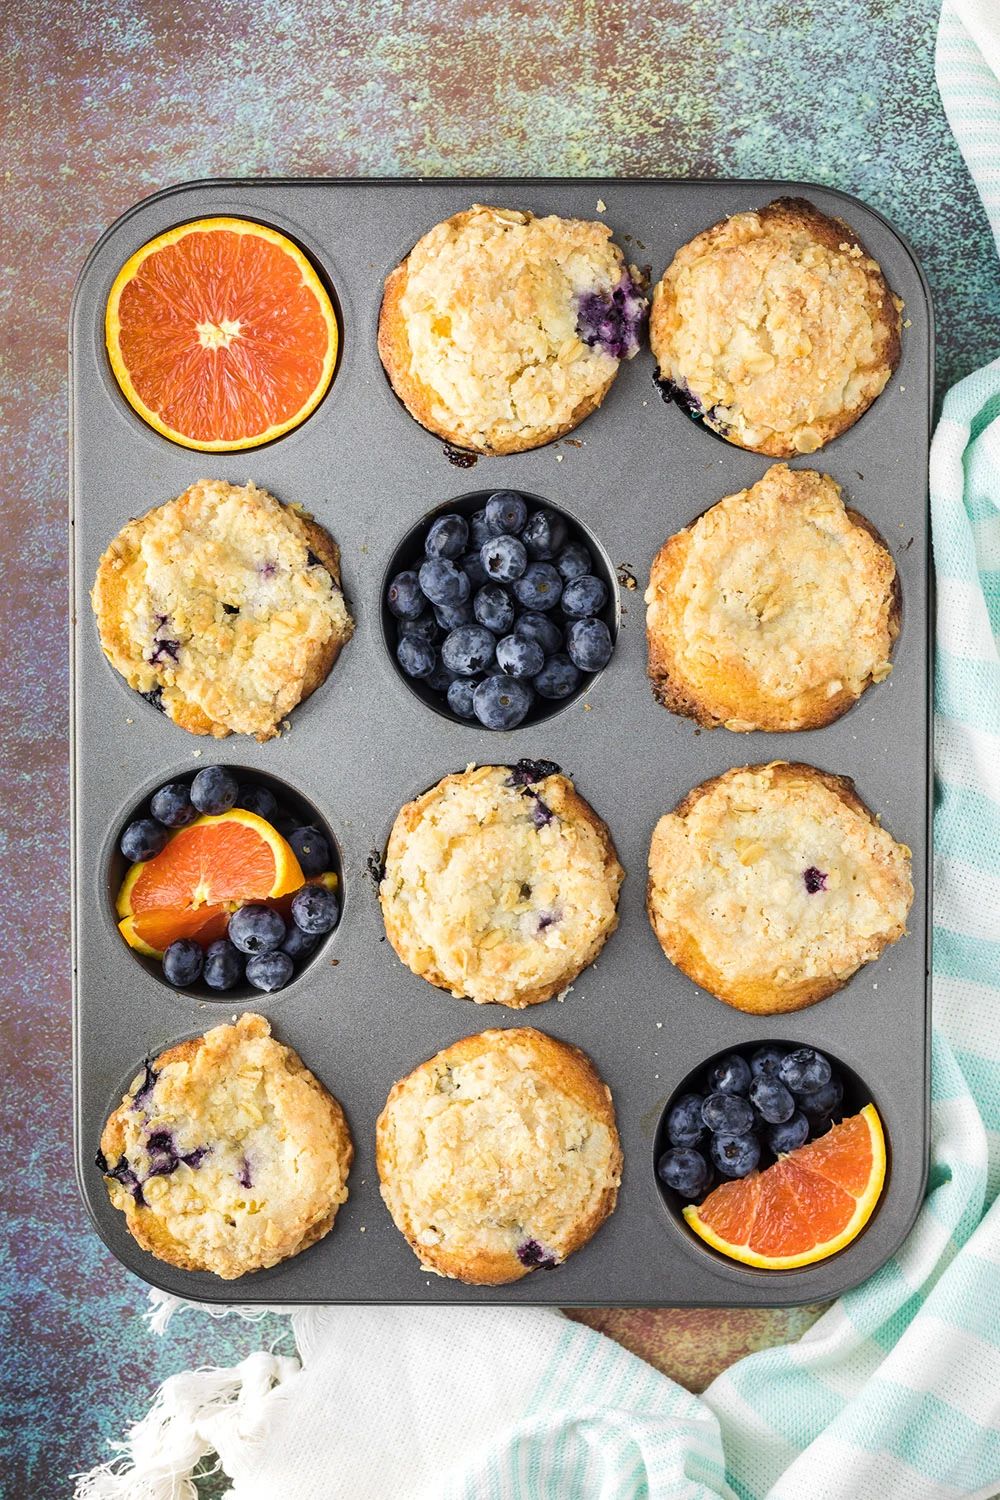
{"x": 104, "y": 104}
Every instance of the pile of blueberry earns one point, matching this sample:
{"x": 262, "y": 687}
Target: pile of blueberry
{"x": 749, "y": 1114}
{"x": 260, "y": 947}
{"x": 501, "y": 608}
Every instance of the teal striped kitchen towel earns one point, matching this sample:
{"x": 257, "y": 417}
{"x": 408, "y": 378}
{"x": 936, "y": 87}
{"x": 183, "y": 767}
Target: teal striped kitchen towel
{"x": 895, "y": 1393}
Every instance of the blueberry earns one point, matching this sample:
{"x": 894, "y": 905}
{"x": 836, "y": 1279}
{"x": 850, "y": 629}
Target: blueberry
{"x": 735, "y": 1155}
{"x": 545, "y": 534}
{"x": 805, "y": 1070}
{"x": 172, "y": 805}
{"x": 728, "y": 1114}
{"x": 425, "y": 626}
{"x": 183, "y": 961}
{"x": 460, "y": 695}
{"x": 315, "y": 909}
{"x": 533, "y": 626}
{"x": 479, "y": 531}
{"x": 584, "y": 596}
{"x": 685, "y": 1170}
{"x": 450, "y": 616}
{"x": 143, "y": 839}
{"x": 520, "y": 658}
{"x": 506, "y": 513}
{"x": 440, "y": 679}
{"x": 259, "y": 800}
{"x": 442, "y": 582}
{"x": 504, "y": 558}
{"x": 771, "y": 1099}
{"x": 766, "y": 1060}
{"x": 814, "y": 880}
{"x": 574, "y": 561}
{"x": 447, "y": 537}
{"x": 589, "y": 644}
{"x": 789, "y": 1134}
{"x": 468, "y": 650}
{"x": 730, "y": 1075}
{"x": 311, "y": 850}
{"x": 256, "y": 929}
{"x": 287, "y": 823}
{"x": 214, "y": 790}
{"x": 472, "y": 564}
{"x": 501, "y": 702}
{"x": 494, "y": 608}
{"x": 823, "y": 1101}
{"x": 223, "y": 965}
{"x": 558, "y": 678}
{"x": 299, "y": 944}
{"x": 539, "y": 588}
{"x": 685, "y": 1126}
{"x": 416, "y": 656}
{"x": 270, "y": 971}
{"x": 404, "y": 597}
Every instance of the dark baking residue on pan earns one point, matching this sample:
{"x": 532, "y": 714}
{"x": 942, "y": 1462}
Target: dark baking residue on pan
{"x": 375, "y": 868}
{"x": 460, "y": 457}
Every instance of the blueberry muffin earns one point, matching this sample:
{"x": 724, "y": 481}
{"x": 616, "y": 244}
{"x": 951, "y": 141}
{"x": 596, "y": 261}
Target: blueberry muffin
{"x": 774, "y": 610}
{"x": 499, "y": 1156}
{"x": 223, "y": 608}
{"x": 500, "y": 885}
{"x": 501, "y": 331}
{"x": 776, "y": 328}
{"x": 226, "y": 1154}
{"x": 770, "y": 885}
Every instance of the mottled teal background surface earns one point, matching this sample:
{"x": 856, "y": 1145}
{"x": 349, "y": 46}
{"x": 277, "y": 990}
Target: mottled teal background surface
{"x": 103, "y": 104}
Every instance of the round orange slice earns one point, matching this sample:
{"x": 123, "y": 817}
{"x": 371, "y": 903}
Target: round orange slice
{"x": 205, "y": 872}
{"x": 221, "y": 334}
{"x": 808, "y": 1205}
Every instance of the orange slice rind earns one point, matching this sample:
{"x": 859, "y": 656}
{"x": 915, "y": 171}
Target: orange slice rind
{"x": 221, "y": 334}
{"x": 804, "y": 1208}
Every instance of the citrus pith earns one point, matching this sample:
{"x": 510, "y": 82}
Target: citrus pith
{"x": 221, "y": 335}
{"x": 804, "y": 1208}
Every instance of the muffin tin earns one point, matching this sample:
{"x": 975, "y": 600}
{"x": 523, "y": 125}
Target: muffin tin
{"x": 632, "y": 473}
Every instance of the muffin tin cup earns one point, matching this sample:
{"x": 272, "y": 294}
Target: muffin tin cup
{"x": 632, "y": 474}
{"x": 289, "y": 800}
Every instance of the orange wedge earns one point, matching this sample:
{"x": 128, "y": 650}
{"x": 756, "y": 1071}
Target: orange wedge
{"x": 205, "y": 872}
{"x": 221, "y": 334}
{"x": 808, "y": 1205}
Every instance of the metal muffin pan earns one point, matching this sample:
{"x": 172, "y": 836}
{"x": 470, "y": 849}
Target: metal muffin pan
{"x": 634, "y": 472}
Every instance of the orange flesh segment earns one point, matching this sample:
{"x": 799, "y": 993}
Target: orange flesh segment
{"x": 205, "y": 866}
{"x": 221, "y": 337}
{"x": 843, "y": 1155}
{"x": 801, "y": 1203}
{"x": 161, "y": 926}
